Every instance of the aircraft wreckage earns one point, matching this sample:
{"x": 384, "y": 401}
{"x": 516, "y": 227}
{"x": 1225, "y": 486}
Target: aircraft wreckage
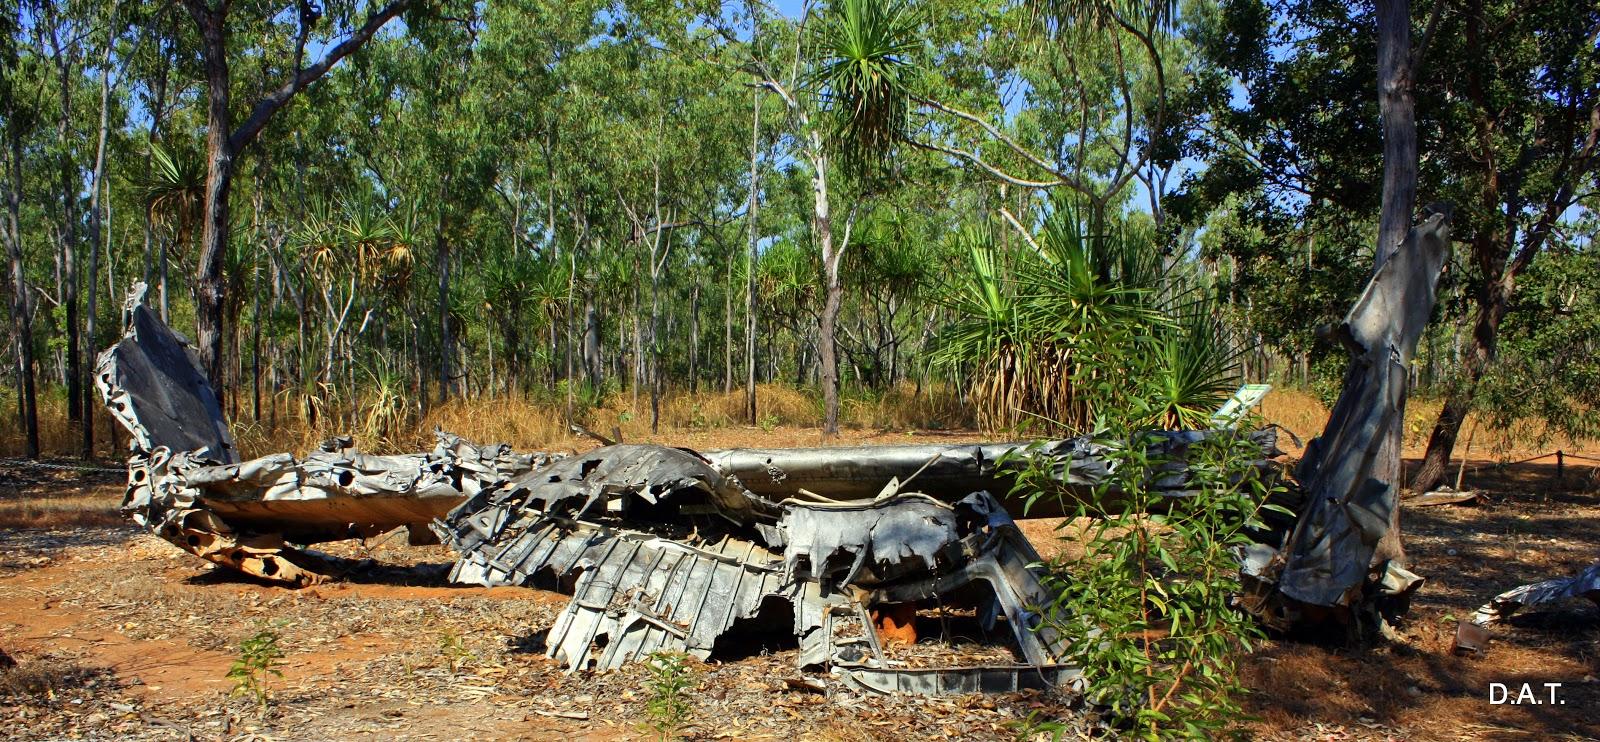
{"x": 661, "y": 548}
{"x": 666, "y": 548}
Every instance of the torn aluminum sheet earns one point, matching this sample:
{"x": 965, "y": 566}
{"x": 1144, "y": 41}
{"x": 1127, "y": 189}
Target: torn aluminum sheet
{"x": 660, "y": 552}
{"x": 951, "y": 472}
{"x": 633, "y": 592}
{"x": 647, "y": 473}
{"x": 187, "y": 485}
{"x": 154, "y": 386}
{"x": 1585, "y": 584}
{"x": 245, "y": 515}
{"x": 865, "y": 542}
{"x": 1343, "y": 551}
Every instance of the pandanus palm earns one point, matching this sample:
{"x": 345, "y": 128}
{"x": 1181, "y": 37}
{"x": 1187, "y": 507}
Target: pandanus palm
{"x": 1088, "y": 320}
{"x": 171, "y": 190}
{"x": 864, "y": 73}
{"x": 359, "y": 238}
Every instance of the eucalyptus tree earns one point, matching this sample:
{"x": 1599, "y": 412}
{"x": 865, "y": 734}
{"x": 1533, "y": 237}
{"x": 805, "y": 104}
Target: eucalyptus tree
{"x": 843, "y": 98}
{"x": 18, "y": 117}
{"x": 1042, "y": 96}
{"x": 1505, "y": 112}
{"x": 225, "y": 142}
{"x": 63, "y": 35}
{"x": 1526, "y": 82}
{"x": 114, "y": 27}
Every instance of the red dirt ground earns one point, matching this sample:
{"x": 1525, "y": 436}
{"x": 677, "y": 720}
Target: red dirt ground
{"x": 156, "y": 631}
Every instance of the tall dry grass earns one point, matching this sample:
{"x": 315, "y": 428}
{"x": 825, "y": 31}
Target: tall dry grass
{"x": 57, "y": 439}
{"x": 388, "y": 424}
{"x": 1303, "y": 414}
{"x": 535, "y": 424}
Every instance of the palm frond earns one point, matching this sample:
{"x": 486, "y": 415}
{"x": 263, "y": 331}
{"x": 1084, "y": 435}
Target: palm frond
{"x": 864, "y": 76}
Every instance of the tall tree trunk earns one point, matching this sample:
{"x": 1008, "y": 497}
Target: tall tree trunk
{"x": 694, "y": 338}
{"x": 157, "y": 115}
{"x": 69, "y": 224}
{"x": 638, "y": 344}
{"x": 727, "y": 330}
{"x": 255, "y": 346}
{"x": 215, "y": 224}
{"x": 822, "y": 231}
{"x": 656, "y": 264}
{"x": 21, "y": 316}
{"x": 1398, "y": 111}
{"x": 750, "y": 267}
{"x": 95, "y": 226}
{"x": 655, "y": 353}
{"x": 223, "y": 143}
{"x": 592, "y": 354}
{"x": 441, "y": 260}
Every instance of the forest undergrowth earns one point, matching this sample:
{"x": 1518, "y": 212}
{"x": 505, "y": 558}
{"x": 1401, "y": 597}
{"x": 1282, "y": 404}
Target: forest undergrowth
{"x": 389, "y": 423}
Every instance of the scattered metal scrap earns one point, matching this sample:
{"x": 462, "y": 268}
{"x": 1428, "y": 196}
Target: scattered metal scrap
{"x": 1472, "y": 635}
{"x": 1585, "y": 584}
{"x": 1445, "y": 496}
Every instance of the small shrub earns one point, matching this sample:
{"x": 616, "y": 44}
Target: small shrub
{"x": 670, "y": 681}
{"x": 455, "y": 650}
{"x": 1147, "y": 609}
{"x": 1036, "y": 726}
{"x": 258, "y": 659}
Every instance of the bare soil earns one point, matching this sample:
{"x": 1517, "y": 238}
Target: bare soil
{"x": 119, "y": 635}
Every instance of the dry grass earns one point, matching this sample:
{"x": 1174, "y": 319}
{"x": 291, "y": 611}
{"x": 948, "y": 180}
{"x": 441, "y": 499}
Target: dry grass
{"x": 529, "y": 424}
{"x": 65, "y": 511}
{"x": 1303, "y": 414}
{"x": 56, "y": 437}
